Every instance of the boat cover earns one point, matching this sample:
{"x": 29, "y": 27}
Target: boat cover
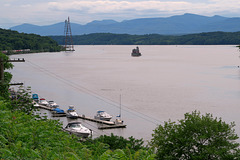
{"x": 58, "y": 110}
{"x": 35, "y": 96}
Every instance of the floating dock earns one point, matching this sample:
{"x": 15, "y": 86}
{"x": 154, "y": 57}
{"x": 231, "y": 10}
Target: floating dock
{"x": 59, "y": 114}
{"x": 96, "y": 120}
{"x": 44, "y": 107}
{"x": 112, "y": 126}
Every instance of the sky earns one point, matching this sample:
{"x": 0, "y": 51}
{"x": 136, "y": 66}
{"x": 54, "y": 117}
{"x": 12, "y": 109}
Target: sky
{"x": 47, "y": 12}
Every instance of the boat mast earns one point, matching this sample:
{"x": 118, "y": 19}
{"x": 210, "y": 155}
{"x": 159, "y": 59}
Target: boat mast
{"x": 120, "y": 105}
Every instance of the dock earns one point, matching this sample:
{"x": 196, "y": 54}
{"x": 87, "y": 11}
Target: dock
{"x": 105, "y": 124}
{"x": 112, "y": 126}
{"x": 44, "y": 107}
{"x": 96, "y": 120}
{"x": 51, "y": 109}
{"x": 59, "y": 114}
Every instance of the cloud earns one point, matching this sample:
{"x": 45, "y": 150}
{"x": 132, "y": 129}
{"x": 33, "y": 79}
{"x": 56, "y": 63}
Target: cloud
{"x": 136, "y": 7}
{"x": 108, "y": 6}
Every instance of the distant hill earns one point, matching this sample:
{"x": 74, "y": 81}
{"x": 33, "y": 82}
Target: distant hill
{"x": 210, "y": 38}
{"x": 175, "y": 25}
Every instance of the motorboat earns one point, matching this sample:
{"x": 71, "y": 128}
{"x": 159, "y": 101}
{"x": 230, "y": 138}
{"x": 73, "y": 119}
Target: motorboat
{"x": 43, "y": 101}
{"x": 52, "y": 104}
{"x": 78, "y": 129}
{"x": 102, "y": 115}
{"x": 71, "y": 112}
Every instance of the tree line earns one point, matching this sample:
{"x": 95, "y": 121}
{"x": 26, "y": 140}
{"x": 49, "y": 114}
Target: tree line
{"x": 13, "y": 42}
{"x": 210, "y": 38}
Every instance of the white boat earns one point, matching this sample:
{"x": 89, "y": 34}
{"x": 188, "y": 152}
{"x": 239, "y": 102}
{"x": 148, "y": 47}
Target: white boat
{"x": 43, "y": 101}
{"x": 53, "y": 104}
{"x": 78, "y": 129}
{"x": 102, "y": 115}
{"x": 71, "y": 112}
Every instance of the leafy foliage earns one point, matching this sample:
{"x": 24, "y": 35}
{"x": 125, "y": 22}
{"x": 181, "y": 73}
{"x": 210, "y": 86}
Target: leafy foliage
{"x": 7, "y": 76}
{"x": 118, "y": 142}
{"x": 196, "y": 137}
{"x": 211, "y": 38}
{"x": 12, "y": 40}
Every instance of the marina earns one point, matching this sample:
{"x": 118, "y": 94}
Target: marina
{"x": 104, "y": 122}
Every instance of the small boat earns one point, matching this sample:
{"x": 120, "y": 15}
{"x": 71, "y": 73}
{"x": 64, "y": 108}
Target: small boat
{"x": 57, "y": 112}
{"x": 78, "y": 129}
{"x": 35, "y": 97}
{"x": 71, "y": 112}
{"x": 43, "y": 102}
{"x": 136, "y": 52}
{"x": 102, "y": 115}
{"x": 52, "y": 104}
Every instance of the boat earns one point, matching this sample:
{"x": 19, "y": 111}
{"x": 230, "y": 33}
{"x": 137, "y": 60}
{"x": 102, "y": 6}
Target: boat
{"x": 52, "y": 104}
{"x": 78, "y": 129}
{"x": 43, "y": 101}
{"x": 35, "y": 97}
{"x": 58, "y": 111}
{"x": 136, "y": 52}
{"x": 118, "y": 120}
{"x": 71, "y": 112}
{"x": 102, "y": 115}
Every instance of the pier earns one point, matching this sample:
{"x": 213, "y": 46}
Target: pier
{"x": 112, "y": 126}
{"x": 105, "y": 124}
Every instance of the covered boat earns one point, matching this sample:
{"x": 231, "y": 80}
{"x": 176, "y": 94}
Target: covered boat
{"x": 35, "y": 97}
{"x": 78, "y": 129}
{"x": 58, "y": 111}
{"x": 102, "y": 115}
{"x": 71, "y": 112}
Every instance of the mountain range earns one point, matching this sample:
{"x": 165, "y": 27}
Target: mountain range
{"x": 174, "y": 25}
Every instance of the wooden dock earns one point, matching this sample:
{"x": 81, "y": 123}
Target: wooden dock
{"x": 44, "y": 107}
{"x": 59, "y": 114}
{"x": 112, "y": 126}
{"x": 51, "y": 109}
{"x": 96, "y": 120}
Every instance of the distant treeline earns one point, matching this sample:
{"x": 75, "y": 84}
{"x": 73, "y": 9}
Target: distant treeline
{"x": 210, "y": 38}
{"x": 12, "y": 42}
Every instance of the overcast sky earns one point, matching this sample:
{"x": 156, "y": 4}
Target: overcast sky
{"x": 46, "y": 12}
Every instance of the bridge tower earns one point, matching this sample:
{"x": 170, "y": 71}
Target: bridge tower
{"x": 68, "y": 42}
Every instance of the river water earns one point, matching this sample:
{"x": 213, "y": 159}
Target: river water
{"x": 164, "y": 83}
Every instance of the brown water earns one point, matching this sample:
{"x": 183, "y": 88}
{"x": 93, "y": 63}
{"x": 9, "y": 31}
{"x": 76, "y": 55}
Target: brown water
{"x": 163, "y": 84}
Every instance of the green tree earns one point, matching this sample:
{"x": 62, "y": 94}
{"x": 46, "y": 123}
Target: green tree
{"x": 7, "y": 76}
{"x": 196, "y": 137}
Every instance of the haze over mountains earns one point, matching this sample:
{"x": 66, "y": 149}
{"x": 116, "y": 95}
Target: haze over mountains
{"x": 175, "y": 25}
